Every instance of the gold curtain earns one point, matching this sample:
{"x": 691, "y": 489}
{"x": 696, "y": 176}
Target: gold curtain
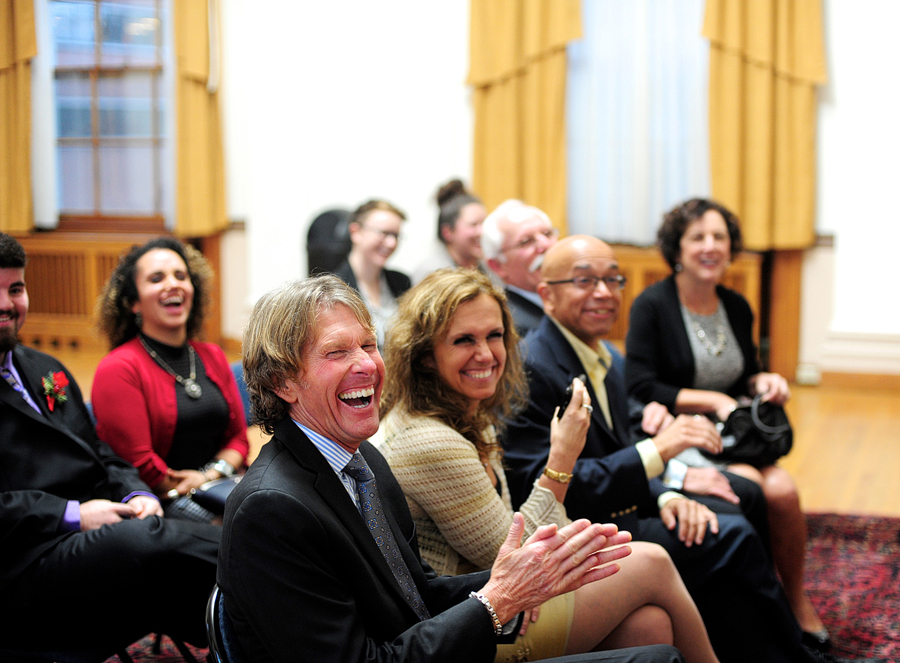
{"x": 766, "y": 59}
{"x": 17, "y": 47}
{"x": 200, "y": 176}
{"x": 517, "y": 55}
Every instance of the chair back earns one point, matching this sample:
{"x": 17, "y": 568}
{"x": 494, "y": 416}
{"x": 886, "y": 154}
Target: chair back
{"x": 237, "y": 369}
{"x": 223, "y": 644}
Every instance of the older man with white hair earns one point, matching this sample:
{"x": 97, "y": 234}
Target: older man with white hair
{"x": 514, "y": 238}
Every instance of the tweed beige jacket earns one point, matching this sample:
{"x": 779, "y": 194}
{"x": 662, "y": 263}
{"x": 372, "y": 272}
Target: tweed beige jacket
{"x": 461, "y": 518}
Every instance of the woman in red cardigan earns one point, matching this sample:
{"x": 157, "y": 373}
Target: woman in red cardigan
{"x": 165, "y": 402}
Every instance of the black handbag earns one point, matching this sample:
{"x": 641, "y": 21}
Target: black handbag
{"x": 213, "y": 494}
{"x": 757, "y": 433}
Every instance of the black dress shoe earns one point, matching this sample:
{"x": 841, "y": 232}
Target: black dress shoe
{"x": 819, "y": 640}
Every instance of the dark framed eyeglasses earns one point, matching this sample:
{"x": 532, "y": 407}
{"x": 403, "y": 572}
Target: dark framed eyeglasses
{"x": 612, "y": 283}
{"x": 527, "y": 242}
{"x": 384, "y": 234}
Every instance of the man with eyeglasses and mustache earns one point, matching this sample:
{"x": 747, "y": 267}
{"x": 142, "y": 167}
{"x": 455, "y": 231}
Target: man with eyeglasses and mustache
{"x": 720, "y": 556}
{"x": 514, "y": 238}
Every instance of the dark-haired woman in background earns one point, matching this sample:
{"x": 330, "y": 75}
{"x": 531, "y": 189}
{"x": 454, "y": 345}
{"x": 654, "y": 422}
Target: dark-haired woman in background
{"x": 165, "y": 402}
{"x": 460, "y": 216}
{"x": 690, "y": 347}
{"x": 374, "y": 233}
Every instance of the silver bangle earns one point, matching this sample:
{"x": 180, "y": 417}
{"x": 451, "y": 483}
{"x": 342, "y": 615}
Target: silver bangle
{"x": 224, "y": 468}
{"x": 498, "y": 627}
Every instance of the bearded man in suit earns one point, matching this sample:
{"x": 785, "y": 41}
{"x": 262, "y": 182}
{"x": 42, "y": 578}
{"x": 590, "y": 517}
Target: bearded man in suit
{"x": 87, "y": 562}
{"x": 320, "y": 560}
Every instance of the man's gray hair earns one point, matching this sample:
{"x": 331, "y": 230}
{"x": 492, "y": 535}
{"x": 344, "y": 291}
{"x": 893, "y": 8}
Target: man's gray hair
{"x": 515, "y": 211}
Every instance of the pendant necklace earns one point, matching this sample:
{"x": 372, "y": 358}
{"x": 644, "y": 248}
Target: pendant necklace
{"x": 713, "y": 348}
{"x": 191, "y": 388}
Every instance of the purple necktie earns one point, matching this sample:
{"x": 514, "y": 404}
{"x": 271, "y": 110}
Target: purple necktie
{"x": 11, "y": 379}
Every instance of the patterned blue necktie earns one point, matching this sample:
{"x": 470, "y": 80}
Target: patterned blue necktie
{"x": 374, "y": 517}
{"x": 11, "y": 379}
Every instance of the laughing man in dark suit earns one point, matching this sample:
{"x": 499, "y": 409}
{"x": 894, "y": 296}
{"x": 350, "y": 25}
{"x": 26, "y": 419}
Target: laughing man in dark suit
{"x": 315, "y": 566}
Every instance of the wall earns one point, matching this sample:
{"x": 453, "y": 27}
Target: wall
{"x": 329, "y": 104}
{"x": 851, "y": 318}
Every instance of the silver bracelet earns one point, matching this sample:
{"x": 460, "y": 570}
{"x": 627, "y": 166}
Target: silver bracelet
{"x": 498, "y": 627}
{"x": 222, "y": 466}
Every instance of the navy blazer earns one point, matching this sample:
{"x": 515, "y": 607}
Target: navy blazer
{"x": 304, "y": 580}
{"x": 525, "y": 313}
{"x": 45, "y": 461}
{"x": 610, "y": 483}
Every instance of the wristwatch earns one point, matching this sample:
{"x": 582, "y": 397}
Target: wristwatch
{"x": 562, "y": 477}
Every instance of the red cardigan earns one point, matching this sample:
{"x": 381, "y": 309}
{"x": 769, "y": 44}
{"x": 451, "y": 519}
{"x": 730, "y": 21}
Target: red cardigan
{"x": 134, "y": 403}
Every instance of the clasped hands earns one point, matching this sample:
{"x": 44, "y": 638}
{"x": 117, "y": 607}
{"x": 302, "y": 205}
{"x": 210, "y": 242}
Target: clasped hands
{"x": 554, "y": 560}
{"x": 672, "y": 436}
{"x": 96, "y": 513}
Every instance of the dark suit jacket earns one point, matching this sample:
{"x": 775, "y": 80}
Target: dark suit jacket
{"x": 660, "y": 362}
{"x": 304, "y": 580}
{"x": 526, "y": 314}
{"x": 398, "y": 283}
{"x": 45, "y": 461}
{"x": 611, "y": 484}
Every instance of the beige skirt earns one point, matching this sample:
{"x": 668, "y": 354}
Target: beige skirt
{"x": 546, "y": 638}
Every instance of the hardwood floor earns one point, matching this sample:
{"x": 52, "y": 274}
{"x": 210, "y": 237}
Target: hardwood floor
{"x": 846, "y": 455}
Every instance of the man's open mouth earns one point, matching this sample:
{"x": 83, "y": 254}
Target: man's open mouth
{"x": 358, "y": 398}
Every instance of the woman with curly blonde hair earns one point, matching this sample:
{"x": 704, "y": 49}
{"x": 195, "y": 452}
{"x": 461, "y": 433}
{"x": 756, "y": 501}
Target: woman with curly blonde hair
{"x": 165, "y": 402}
{"x": 453, "y": 376}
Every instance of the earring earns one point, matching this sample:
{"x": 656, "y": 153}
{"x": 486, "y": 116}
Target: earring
{"x": 678, "y": 267}
{"x": 138, "y": 320}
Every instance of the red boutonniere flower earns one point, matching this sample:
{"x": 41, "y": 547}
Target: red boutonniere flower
{"x": 55, "y": 388}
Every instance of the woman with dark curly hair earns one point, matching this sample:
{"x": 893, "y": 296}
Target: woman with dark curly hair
{"x": 690, "y": 347}
{"x": 165, "y": 402}
{"x": 453, "y": 375}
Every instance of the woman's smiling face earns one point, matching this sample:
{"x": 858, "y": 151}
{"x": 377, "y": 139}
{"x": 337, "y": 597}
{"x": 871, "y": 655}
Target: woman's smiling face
{"x": 706, "y": 247}
{"x": 165, "y": 294}
{"x": 471, "y": 356}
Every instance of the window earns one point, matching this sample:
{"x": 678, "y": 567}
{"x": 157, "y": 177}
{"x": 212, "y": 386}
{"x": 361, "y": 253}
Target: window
{"x": 111, "y": 102}
{"x": 636, "y": 116}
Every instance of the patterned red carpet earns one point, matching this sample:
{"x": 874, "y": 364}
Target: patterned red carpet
{"x": 853, "y": 577}
{"x": 852, "y": 573}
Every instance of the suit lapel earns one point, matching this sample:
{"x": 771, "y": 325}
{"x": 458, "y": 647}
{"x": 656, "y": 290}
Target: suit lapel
{"x": 615, "y": 388}
{"x": 31, "y": 367}
{"x": 570, "y": 366}
{"x": 332, "y": 491}
{"x": 30, "y": 379}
